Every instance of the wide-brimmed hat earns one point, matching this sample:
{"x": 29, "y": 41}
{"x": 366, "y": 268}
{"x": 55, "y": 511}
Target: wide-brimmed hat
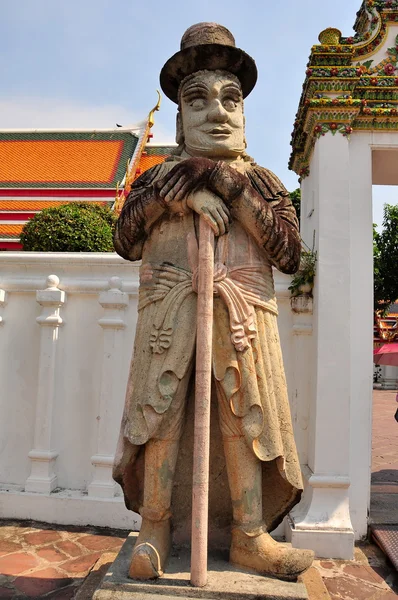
{"x": 212, "y": 47}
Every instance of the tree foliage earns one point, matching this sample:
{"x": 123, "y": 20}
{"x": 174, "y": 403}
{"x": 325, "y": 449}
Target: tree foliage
{"x": 72, "y": 227}
{"x": 385, "y": 255}
{"x": 296, "y": 201}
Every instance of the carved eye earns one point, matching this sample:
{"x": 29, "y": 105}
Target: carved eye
{"x": 229, "y": 104}
{"x": 198, "y": 103}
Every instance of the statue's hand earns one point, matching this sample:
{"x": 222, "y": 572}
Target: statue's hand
{"x": 212, "y": 208}
{"x": 186, "y": 176}
{"x": 226, "y": 182}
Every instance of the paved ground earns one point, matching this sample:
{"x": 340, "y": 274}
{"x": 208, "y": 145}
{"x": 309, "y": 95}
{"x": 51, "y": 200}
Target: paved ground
{"x": 65, "y": 563}
{"x": 384, "y": 503}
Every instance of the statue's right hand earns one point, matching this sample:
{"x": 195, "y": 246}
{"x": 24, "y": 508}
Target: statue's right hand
{"x": 188, "y": 175}
{"x": 212, "y": 208}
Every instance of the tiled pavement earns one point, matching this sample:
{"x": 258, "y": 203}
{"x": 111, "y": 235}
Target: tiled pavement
{"x": 39, "y": 560}
{"x": 65, "y": 563}
{"x": 384, "y": 504}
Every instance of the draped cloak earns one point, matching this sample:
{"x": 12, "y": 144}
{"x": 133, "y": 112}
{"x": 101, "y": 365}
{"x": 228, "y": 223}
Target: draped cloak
{"x": 247, "y": 359}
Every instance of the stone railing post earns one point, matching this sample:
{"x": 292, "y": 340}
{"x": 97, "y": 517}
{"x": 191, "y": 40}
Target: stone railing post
{"x": 114, "y": 302}
{"x": 3, "y": 302}
{"x": 302, "y": 307}
{"x": 43, "y": 477}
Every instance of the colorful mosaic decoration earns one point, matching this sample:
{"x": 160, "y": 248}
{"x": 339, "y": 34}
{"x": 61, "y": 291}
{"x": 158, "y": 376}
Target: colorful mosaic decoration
{"x": 350, "y": 86}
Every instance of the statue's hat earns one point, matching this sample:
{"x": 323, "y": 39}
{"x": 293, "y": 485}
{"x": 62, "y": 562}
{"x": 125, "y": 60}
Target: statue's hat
{"x": 207, "y": 46}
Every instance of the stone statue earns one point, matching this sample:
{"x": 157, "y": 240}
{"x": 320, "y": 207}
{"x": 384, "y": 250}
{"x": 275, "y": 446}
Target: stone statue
{"x": 256, "y": 227}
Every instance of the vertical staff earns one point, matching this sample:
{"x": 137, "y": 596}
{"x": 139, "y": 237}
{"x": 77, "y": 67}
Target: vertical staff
{"x": 201, "y": 453}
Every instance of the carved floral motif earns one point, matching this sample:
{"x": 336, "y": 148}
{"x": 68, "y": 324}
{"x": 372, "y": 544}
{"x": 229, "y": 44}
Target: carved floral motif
{"x": 342, "y": 95}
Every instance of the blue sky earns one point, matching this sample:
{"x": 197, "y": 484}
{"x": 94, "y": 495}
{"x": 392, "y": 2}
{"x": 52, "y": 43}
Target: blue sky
{"x": 92, "y": 63}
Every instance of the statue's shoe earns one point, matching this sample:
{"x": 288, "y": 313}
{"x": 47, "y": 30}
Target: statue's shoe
{"x": 264, "y": 555}
{"x": 151, "y": 550}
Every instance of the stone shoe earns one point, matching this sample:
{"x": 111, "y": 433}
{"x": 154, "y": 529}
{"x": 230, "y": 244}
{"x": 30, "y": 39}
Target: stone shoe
{"x": 264, "y": 555}
{"x": 151, "y": 550}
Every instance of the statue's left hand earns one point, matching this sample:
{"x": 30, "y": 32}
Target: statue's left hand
{"x": 188, "y": 175}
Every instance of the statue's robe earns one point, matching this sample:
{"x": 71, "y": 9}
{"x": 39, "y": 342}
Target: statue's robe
{"x": 247, "y": 360}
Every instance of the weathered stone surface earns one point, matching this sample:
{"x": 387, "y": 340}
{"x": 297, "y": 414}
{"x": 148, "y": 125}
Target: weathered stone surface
{"x": 81, "y": 564}
{"x": 42, "y": 537}
{"x": 315, "y": 587}
{"x": 6, "y": 547}
{"x": 51, "y": 554}
{"x": 224, "y": 290}
{"x": 224, "y": 581}
{"x": 341, "y": 587}
{"x": 13, "y": 564}
{"x": 70, "y": 548}
{"x": 41, "y": 582}
{"x": 100, "y": 542}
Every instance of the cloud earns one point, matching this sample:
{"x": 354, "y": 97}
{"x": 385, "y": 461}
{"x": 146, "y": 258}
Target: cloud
{"x": 52, "y": 113}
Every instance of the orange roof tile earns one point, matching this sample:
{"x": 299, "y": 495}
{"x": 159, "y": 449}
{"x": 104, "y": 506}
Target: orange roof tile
{"x": 34, "y": 205}
{"x": 146, "y": 162}
{"x": 60, "y": 161}
{"x": 64, "y": 159}
{"x": 153, "y": 155}
{"x": 10, "y": 231}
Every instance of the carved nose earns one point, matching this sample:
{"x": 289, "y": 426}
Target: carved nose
{"x": 217, "y": 113}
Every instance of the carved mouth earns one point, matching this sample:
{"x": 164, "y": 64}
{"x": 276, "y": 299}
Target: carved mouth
{"x": 220, "y": 131}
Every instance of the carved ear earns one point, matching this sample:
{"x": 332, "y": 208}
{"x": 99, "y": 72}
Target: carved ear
{"x": 179, "y": 129}
{"x": 244, "y": 131}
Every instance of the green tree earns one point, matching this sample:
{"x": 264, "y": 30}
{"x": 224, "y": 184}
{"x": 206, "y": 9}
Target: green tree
{"x": 385, "y": 256}
{"x": 296, "y": 201}
{"x": 72, "y": 227}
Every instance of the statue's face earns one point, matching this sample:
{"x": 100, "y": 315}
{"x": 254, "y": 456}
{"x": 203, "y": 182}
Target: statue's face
{"x": 211, "y": 105}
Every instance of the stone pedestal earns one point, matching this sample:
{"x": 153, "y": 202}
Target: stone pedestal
{"x": 224, "y": 581}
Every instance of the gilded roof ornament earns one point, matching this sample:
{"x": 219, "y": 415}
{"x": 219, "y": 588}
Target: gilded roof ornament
{"x": 330, "y": 37}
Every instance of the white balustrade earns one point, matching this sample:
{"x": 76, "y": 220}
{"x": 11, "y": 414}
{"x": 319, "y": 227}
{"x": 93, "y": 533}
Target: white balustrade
{"x": 43, "y": 477}
{"x": 114, "y": 303}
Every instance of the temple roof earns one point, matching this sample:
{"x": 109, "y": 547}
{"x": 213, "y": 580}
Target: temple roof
{"x": 65, "y": 159}
{"x": 72, "y": 160}
{"x": 153, "y": 154}
{"x": 351, "y": 83}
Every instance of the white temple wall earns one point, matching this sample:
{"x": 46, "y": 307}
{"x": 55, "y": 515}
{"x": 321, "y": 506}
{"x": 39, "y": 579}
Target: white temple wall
{"x": 66, "y": 417}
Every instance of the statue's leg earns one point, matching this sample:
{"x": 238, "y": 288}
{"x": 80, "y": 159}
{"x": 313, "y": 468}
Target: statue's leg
{"x": 252, "y": 547}
{"x": 153, "y": 544}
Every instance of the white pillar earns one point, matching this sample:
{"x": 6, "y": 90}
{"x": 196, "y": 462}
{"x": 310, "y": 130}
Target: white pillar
{"x": 114, "y": 302}
{"x": 322, "y": 520}
{"x": 43, "y": 478}
{"x": 361, "y": 329}
{"x": 3, "y": 302}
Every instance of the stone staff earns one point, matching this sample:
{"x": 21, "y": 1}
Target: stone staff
{"x": 201, "y": 455}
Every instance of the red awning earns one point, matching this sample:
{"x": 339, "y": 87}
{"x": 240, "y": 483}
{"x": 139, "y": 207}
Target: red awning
{"x": 386, "y": 355}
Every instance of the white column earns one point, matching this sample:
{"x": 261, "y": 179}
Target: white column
{"x": 114, "y": 302}
{"x": 3, "y": 302}
{"x": 322, "y": 520}
{"x": 361, "y": 329}
{"x": 43, "y": 477}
